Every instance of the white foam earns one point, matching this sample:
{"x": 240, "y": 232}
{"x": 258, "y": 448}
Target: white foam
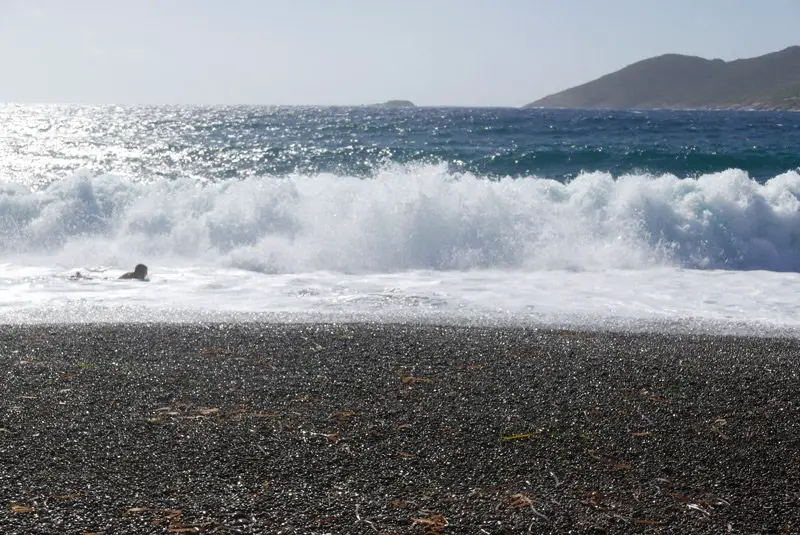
{"x": 752, "y": 302}
{"x": 413, "y": 243}
{"x": 409, "y": 217}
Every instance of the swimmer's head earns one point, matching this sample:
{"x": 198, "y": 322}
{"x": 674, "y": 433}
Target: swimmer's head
{"x": 140, "y": 271}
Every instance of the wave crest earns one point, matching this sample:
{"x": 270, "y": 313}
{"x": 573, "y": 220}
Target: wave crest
{"x": 411, "y": 217}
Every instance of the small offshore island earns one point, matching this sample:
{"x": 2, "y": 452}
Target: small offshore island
{"x": 674, "y": 81}
{"x": 395, "y": 104}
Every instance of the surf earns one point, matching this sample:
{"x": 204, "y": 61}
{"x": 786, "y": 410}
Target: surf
{"x": 409, "y": 217}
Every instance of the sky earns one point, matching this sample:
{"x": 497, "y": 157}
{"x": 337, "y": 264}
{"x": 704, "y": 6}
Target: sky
{"x": 352, "y": 52}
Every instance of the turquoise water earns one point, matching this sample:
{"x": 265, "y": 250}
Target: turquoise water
{"x": 42, "y": 144}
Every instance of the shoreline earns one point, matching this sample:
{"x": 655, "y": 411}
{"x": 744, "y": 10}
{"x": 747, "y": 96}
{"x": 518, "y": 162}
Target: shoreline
{"x": 177, "y": 318}
{"x": 395, "y": 428}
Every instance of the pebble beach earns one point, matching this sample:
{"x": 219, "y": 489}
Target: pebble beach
{"x": 395, "y": 429}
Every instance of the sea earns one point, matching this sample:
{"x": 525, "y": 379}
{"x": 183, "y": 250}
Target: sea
{"x": 660, "y": 220}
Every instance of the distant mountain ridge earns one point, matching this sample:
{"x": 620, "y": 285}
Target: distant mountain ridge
{"x": 675, "y": 81}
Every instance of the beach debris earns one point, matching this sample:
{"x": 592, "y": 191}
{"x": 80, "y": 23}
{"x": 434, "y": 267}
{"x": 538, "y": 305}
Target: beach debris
{"x": 520, "y": 500}
{"x": 162, "y": 414}
{"x": 595, "y": 499}
{"x": 168, "y": 517}
{"x": 517, "y": 436}
{"x": 179, "y": 527}
{"x": 17, "y": 508}
{"x": 208, "y": 411}
{"x": 238, "y": 412}
{"x": 696, "y": 507}
{"x": 342, "y": 415}
{"x": 360, "y": 519}
{"x": 412, "y": 380}
{"x": 138, "y": 510}
{"x": 523, "y": 501}
{"x": 431, "y": 525}
{"x": 652, "y": 397}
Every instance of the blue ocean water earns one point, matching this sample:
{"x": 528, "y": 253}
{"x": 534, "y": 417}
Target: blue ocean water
{"x": 44, "y": 143}
{"x": 650, "y": 215}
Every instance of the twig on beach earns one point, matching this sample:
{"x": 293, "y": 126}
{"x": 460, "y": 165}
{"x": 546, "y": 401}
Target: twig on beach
{"x": 538, "y": 514}
{"x": 409, "y": 380}
{"x": 696, "y": 507}
{"x": 652, "y": 397}
{"x": 558, "y": 483}
{"x": 364, "y": 520}
{"x": 433, "y": 524}
{"x": 517, "y": 436}
{"x": 521, "y": 500}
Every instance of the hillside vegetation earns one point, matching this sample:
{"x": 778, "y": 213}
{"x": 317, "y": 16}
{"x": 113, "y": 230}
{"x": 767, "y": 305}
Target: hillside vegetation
{"x": 675, "y": 81}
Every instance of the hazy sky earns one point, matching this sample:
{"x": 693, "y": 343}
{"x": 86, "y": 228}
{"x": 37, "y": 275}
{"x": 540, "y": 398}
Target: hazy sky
{"x": 433, "y": 52}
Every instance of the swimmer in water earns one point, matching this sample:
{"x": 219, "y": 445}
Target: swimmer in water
{"x": 138, "y": 273}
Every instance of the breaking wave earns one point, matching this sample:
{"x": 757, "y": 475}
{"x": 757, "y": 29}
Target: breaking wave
{"x": 410, "y": 217}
